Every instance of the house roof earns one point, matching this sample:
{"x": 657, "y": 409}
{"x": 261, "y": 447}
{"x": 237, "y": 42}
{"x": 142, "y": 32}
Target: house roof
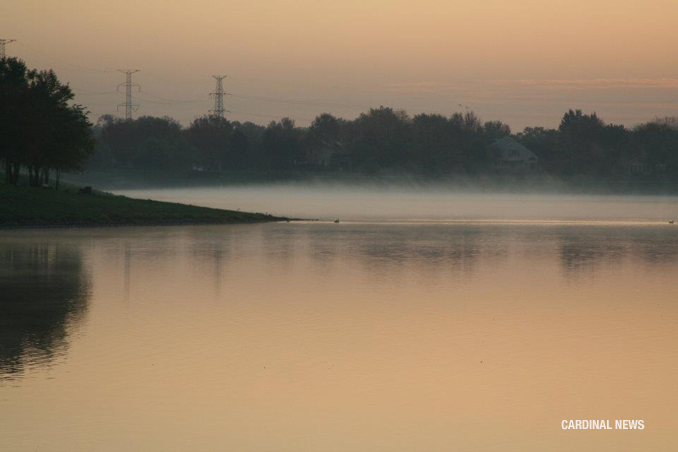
{"x": 507, "y": 143}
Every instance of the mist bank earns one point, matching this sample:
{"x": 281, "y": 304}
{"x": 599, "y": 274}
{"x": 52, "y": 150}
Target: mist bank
{"x": 583, "y": 153}
{"x": 127, "y": 179}
{"x": 329, "y": 201}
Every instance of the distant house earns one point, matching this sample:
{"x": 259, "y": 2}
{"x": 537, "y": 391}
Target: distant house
{"x": 331, "y": 156}
{"x": 322, "y": 157}
{"x": 639, "y": 166}
{"x": 512, "y": 155}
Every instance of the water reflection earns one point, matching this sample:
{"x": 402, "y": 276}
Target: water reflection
{"x": 211, "y": 253}
{"x": 44, "y": 292}
{"x": 581, "y": 249}
{"x": 332, "y": 337}
{"x": 438, "y": 250}
{"x": 45, "y": 286}
{"x": 584, "y": 252}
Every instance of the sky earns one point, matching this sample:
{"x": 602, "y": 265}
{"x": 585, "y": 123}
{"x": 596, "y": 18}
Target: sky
{"x": 524, "y": 62}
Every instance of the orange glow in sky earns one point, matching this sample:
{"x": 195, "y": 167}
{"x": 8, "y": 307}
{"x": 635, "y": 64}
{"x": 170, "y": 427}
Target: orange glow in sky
{"x": 524, "y": 61}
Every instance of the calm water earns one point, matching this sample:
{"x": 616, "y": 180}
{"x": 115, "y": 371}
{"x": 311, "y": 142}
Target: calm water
{"x": 358, "y": 336}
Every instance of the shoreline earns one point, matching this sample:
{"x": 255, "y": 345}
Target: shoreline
{"x": 35, "y": 208}
{"x": 15, "y": 227}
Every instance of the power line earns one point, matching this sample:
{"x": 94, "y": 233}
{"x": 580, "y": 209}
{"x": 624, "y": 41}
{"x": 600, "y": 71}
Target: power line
{"x": 86, "y": 92}
{"x": 171, "y": 100}
{"x": 174, "y": 105}
{"x": 3, "y": 43}
{"x": 129, "y": 106}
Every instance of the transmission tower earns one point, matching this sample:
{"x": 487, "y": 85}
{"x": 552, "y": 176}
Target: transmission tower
{"x": 129, "y": 106}
{"x": 219, "y": 96}
{"x": 4, "y": 42}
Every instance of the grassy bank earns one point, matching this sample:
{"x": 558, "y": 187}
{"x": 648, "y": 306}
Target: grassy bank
{"x": 35, "y": 207}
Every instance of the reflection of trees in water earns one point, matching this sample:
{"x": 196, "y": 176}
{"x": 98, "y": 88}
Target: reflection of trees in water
{"x": 432, "y": 247}
{"x": 580, "y": 255}
{"x": 579, "y": 250}
{"x": 659, "y": 247}
{"x": 582, "y": 251}
{"x": 383, "y": 248}
{"x": 211, "y": 253}
{"x": 44, "y": 290}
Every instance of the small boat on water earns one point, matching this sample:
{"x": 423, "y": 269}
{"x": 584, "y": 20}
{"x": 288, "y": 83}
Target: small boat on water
{"x": 671, "y": 221}
{"x": 337, "y": 220}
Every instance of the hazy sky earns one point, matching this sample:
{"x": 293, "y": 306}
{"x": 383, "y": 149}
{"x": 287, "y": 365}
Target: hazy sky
{"x": 523, "y": 61}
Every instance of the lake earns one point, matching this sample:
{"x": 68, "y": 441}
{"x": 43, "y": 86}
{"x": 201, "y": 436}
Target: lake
{"x": 423, "y": 321}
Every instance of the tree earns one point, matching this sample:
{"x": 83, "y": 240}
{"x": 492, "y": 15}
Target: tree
{"x": 325, "y": 130}
{"x": 381, "y": 139}
{"x": 71, "y": 145}
{"x": 583, "y": 142}
{"x": 119, "y": 138}
{"x": 253, "y": 153}
{"x": 473, "y": 155}
{"x": 13, "y": 114}
{"x": 494, "y": 130}
{"x": 657, "y": 142}
{"x": 323, "y": 136}
{"x": 239, "y": 150}
{"x": 545, "y": 143}
{"x": 131, "y": 143}
{"x": 211, "y": 136}
{"x": 433, "y": 141}
{"x": 41, "y": 130}
{"x": 51, "y": 115}
{"x": 282, "y": 144}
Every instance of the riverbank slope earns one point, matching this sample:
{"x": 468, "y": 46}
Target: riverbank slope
{"x": 22, "y": 206}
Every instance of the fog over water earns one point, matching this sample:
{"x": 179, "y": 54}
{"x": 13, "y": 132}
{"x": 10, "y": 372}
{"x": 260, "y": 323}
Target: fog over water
{"x": 395, "y": 202}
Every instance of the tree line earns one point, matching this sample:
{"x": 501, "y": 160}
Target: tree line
{"x": 384, "y": 139}
{"x": 40, "y": 130}
{"x": 380, "y": 139}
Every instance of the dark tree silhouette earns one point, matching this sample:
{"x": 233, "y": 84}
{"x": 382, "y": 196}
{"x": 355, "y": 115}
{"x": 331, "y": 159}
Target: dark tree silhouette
{"x": 45, "y": 291}
{"x": 14, "y": 114}
{"x": 495, "y": 130}
{"x": 41, "y": 131}
{"x": 656, "y": 143}
{"x": 282, "y": 145}
{"x": 384, "y": 139}
{"x": 211, "y": 136}
{"x": 381, "y": 139}
{"x": 144, "y": 143}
